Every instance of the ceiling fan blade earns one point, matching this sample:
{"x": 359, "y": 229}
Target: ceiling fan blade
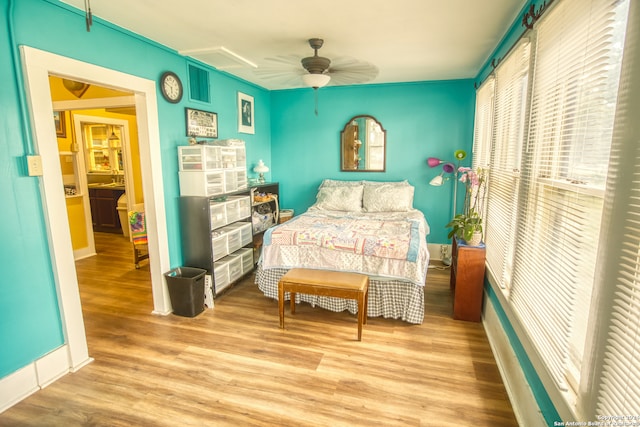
{"x": 345, "y": 70}
{"x": 288, "y": 71}
{"x": 282, "y": 70}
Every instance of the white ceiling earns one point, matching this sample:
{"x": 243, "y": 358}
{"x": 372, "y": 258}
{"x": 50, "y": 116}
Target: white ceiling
{"x": 407, "y": 40}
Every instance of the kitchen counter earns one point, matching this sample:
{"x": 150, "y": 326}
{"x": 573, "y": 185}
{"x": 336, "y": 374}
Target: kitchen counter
{"x": 110, "y": 186}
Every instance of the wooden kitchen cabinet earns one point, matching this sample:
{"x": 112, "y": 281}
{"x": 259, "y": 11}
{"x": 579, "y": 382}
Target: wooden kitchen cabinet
{"x": 104, "y": 213}
{"x": 467, "y": 280}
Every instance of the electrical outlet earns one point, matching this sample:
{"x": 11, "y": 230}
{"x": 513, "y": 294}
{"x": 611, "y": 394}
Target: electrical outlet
{"x": 34, "y": 165}
{"x": 445, "y": 254}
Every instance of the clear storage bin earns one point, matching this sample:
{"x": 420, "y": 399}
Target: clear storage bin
{"x": 199, "y": 157}
{"x": 218, "y": 214}
{"x": 237, "y": 208}
{"x": 243, "y": 230}
{"x": 201, "y": 183}
{"x": 229, "y": 157}
{"x": 246, "y": 259}
{"x": 219, "y": 245}
{"x": 235, "y": 267}
{"x": 230, "y": 181}
{"x": 234, "y": 238}
{"x": 232, "y": 207}
{"x": 241, "y": 178}
{"x": 221, "y": 274}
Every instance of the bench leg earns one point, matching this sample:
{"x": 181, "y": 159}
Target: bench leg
{"x": 366, "y": 306}
{"x": 362, "y": 313}
{"x": 281, "y": 303}
{"x": 292, "y": 296}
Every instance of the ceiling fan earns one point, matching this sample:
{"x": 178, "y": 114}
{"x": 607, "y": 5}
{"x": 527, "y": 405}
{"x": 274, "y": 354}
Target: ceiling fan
{"x": 316, "y": 71}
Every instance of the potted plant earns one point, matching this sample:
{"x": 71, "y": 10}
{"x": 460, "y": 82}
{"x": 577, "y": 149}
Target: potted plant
{"x": 468, "y": 225}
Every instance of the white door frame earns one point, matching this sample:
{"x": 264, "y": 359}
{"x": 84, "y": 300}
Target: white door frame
{"x": 78, "y": 120}
{"x": 37, "y": 66}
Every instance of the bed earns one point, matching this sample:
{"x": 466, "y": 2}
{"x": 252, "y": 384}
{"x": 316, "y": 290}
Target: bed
{"x": 357, "y": 226}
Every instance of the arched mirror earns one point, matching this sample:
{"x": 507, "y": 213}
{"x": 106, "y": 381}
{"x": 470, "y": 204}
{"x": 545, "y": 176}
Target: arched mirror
{"x": 363, "y": 145}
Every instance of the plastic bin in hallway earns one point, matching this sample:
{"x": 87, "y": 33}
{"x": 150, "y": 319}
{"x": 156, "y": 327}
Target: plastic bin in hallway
{"x": 186, "y": 290}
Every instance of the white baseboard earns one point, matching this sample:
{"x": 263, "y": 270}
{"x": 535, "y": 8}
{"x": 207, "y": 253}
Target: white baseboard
{"x": 35, "y": 376}
{"x": 435, "y": 251}
{"x": 18, "y": 386}
{"x": 520, "y": 394}
{"x": 83, "y": 253}
{"x": 52, "y": 366}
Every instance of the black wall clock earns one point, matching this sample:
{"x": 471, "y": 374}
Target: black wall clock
{"x": 171, "y": 87}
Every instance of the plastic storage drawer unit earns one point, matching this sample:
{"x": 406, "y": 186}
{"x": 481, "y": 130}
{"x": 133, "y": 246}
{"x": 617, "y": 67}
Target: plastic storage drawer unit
{"x": 199, "y": 158}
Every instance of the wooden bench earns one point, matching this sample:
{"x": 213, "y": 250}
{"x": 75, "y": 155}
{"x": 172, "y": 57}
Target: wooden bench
{"x": 325, "y": 283}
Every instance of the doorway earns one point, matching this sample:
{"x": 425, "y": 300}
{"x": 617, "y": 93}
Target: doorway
{"x": 38, "y": 66}
{"x": 105, "y": 165}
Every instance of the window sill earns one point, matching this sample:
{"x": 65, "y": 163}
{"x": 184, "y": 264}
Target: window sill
{"x": 575, "y": 188}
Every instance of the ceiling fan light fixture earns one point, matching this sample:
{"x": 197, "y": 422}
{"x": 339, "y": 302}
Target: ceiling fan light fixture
{"x": 316, "y": 80}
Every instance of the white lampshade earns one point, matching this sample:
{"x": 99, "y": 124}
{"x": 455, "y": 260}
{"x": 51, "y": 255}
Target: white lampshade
{"x": 261, "y": 167}
{"x": 437, "y": 181}
{"x": 316, "y": 80}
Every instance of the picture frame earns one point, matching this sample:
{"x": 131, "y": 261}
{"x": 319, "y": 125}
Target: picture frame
{"x": 60, "y": 124}
{"x": 201, "y": 123}
{"x": 246, "y": 118}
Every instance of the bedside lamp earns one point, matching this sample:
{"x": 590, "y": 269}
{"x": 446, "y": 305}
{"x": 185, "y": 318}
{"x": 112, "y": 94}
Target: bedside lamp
{"x": 261, "y": 168}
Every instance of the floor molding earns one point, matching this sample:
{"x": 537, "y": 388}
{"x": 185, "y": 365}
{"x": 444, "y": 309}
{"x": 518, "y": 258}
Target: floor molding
{"x": 37, "y": 375}
{"x": 522, "y": 399}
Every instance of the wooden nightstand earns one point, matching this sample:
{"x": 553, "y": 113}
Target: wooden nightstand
{"x": 467, "y": 281}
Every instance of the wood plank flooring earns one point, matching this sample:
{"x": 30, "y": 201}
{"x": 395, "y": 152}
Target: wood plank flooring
{"x": 233, "y": 365}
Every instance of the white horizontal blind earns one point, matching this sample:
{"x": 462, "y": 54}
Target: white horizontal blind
{"x": 564, "y": 169}
{"x": 508, "y": 134}
{"x": 483, "y": 128}
{"x": 618, "y": 376}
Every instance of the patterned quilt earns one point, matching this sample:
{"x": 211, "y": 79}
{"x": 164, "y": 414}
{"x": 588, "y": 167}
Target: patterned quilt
{"x": 392, "y": 245}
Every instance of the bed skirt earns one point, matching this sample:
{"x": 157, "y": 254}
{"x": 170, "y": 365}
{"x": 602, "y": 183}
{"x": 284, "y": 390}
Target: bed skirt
{"x": 389, "y": 298}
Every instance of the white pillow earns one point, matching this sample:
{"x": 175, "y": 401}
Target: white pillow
{"x": 387, "y": 197}
{"x": 343, "y": 198}
{"x": 337, "y": 183}
{"x": 393, "y": 183}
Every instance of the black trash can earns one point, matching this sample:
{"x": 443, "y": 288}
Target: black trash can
{"x": 186, "y": 290}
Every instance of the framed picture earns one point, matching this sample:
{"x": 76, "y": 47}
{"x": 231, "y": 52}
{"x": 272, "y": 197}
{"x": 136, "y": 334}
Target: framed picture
{"x": 201, "y": 123}
{"x": 246, "y": 120}
{"x": 61, "y": 128}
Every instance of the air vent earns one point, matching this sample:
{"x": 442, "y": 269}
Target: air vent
{"x": 198, "y": 84}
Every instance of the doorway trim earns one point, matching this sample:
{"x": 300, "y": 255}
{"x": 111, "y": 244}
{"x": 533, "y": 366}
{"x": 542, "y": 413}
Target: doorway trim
{"x": 78, "y": 121}
{"x": 38, "y": 65}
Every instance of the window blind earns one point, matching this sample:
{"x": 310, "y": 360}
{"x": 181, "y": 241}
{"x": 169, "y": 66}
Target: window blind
{"x": 502, "y": 184}
{"x": 616, "y": 379}
{"x": 564, "y": 167}
{"x": 483, "y": 129}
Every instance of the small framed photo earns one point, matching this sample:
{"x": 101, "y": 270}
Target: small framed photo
{"x": 201, "y": 123}
{"x": 59, "y": 120}
{"x": 246, "y": 120}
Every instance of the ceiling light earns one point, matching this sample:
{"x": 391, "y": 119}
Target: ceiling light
{"x": 316, "y": 80}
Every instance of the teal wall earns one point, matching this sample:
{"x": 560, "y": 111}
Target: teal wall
{"x": 421, "y": 119}
{"x": 30, "y": 324}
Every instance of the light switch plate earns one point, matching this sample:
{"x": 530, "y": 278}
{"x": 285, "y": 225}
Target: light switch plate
{"x": 34, "y": 165}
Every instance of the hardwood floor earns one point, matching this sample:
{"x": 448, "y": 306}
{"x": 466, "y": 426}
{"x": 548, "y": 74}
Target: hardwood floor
{"x": 232, "y": 365}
